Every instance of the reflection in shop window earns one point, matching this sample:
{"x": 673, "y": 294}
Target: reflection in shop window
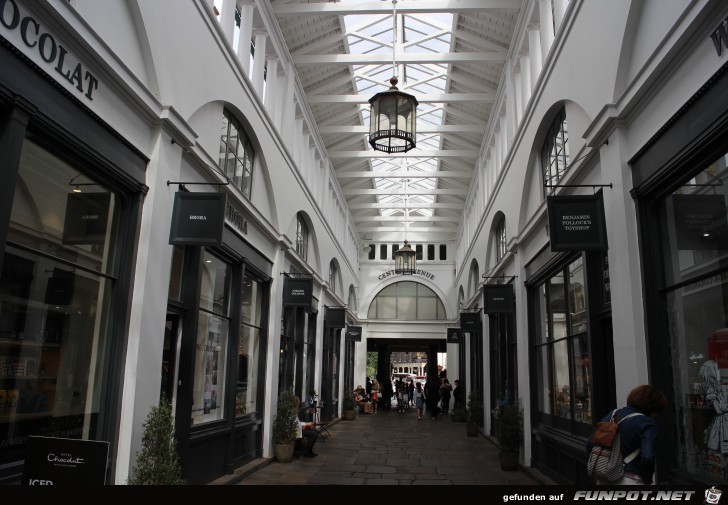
{"x": 562, "y": 355}
{"x": 212, "y": 341}
{"x": 694, "y": 232}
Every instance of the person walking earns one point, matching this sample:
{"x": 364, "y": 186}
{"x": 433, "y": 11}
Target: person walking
{"x": 419, "y": 400}
{"x": 445, "y": 394}
{"x": 638, "y": 432}
{"x": 458, "y": 395}
{"x": 432, "y": 393}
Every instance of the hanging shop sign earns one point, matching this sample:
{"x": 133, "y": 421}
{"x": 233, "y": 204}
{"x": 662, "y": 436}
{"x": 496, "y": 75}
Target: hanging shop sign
{"x": 470, "y": 322}
{"x": 53, "y": 461}
{"x": 197, "y": 219}
{"x": 454, "y": 336}
{"x": 59, "y": 289}
{"x": 86, "y": 218}
{"x": 335, "y": 317}
{"x": 576, "y": 223}
{"x": 353, "y": 333}
{"x": 498, "y": 298}
{"x": 298, "y": 292}
{"x": 700, "y": 222}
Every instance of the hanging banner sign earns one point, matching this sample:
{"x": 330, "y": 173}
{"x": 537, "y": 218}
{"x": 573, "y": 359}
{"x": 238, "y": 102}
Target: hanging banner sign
{"x": 700, "y": 222}
{"x": 576, "y": 223}
{"x": 498, "y": 298}
{"x": 197, "y": 219}
{"x": 454, "y": 336}
{"x": 470, "y": 322}
{"x": 298, "y": 292}
{"x": 353, "y": 333}
{"x": 86, "y": 217}
{"x": 335, "y": 317}
{"x": 64, "y": 462}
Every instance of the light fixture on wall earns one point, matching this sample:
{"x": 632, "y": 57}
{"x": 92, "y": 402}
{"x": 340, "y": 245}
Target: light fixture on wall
{"x": 405, "y": 258}
{"x": 392, "y": 119}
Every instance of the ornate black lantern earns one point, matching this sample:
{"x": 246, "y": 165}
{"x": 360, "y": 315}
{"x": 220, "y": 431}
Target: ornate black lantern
{"x": 392, "y": 120}
{"x": 405, "y": 260}
{"x": 393, "y": 114}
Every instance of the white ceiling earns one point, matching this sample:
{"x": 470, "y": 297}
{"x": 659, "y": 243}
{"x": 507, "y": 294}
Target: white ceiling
{"x": 450, "y": 54}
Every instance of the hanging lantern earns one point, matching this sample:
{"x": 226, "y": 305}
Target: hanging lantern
{"x": 405, "y": 261}
{"x": 392, "y": 120}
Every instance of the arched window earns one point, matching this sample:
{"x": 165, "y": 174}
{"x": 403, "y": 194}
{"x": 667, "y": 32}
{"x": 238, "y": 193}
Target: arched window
{"x": 500, "y": 239}
{"x": 474, "y": 278}
{"x": 236, "y": 154}
{"x": 301, "y": 237}
{"x": 407, "y": 300}
{"x": 555, "y": 151}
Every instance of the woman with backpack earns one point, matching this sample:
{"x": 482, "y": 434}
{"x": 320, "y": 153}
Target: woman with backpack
{"x": 638, "y": 434}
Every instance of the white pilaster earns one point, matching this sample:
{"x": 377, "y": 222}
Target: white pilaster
{"x": 534, "y": 51}
{"x": 526, "y": 85}
{"x": 547, "y": 27}
{"x": 227, "y": 19}
{"x": 271, "y": 88}
{"x": 245, "y": 36}
{"x": 261, "y": 38}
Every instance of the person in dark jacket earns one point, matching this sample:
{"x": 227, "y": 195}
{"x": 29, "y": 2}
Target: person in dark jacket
{"x": 458, "y": 395}
{"x": 638, "y": 432}
{"x": 432, "y": 395}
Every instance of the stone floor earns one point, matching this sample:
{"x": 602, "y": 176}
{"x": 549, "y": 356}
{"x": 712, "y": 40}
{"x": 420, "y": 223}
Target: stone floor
{"x": 391, "y": 448}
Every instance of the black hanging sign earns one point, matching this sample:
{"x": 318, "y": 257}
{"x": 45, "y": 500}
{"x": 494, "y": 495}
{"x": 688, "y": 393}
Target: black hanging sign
{"x": 470, "y": 322}
{"x": 297, "y": 292}
{"x": 53, "y": 461}
{"x": 454, "y": 336}
{"x": 498, "y": 298}
{"x": 86, "y": 217}
{"x": 576, "y": 223}
{"x": 700, "y": 222}
{"x": 197, "y": 219}
{"x": 353, "y": 333}
{"x": 335, "y": 317}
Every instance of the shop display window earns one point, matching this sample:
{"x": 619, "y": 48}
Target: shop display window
{"x": 211, "y": 352}
{"x": 694, "y": 241}
{"x": 561, "y": 350}
{"x": 249, "y": 349}
{"x": 55, "y": 288}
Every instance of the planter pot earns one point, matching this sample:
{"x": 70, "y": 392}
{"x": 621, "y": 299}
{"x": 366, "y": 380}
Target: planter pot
{"x": 509, "y": 460}
{"x": 348, "y": 415}
{"x": 284, "y": 453}
{"x": 472, "y": 430}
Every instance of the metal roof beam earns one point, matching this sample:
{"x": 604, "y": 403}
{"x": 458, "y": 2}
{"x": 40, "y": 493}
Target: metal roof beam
{"x": 427, "y": 98}
{"x": 402, "y": 58}
{"x": 420, "y": 7}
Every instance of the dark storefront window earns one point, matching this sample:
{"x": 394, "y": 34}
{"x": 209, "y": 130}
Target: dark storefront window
{"x": 55, "y": 290}
{"x": 213, "y": 328}
{"x": 694, "y": 242}
{"x": 249, "y": 349}
{"x": 561, "y": 352}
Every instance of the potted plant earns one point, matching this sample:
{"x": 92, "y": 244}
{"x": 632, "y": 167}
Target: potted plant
{"x": 509, "y": 430}
{"x": 473, "y": 414}
{"x": 285, "y": 427}
{"x": 158, "y": 463}
{"x": 348, "y": 406}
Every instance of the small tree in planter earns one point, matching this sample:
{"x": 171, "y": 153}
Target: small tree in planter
{"x": 348, "y": 406}
{"x": 285, "y": 426}
{"x": 158, "y": 463}
{"x": 509, "y": 429}
{"x": 473, "y": 414}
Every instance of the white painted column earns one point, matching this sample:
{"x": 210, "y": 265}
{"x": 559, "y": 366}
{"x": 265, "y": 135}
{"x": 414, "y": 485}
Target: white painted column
{"x": 245, "y": 36}
{"x": 526, "y": 85}
{"x": 518, "y": 87}
{"x": 288, "y": 109}
{"x": 298, "y": 143}
{"x": 261, "y": 38}
{"x": 504, "y": 141}
{"x": 547, "y": 27}
{"x": 534, "y": 51}
{"x": 510, "y": 100}
{"x": 227, "y": 20}
{"x": 271, "y": 88}
{"x": 559, "y": 11}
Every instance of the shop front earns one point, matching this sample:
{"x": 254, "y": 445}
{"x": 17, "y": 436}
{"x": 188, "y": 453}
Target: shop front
{"x": 680, "y": 186}
{"x": 69, "y": 218}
